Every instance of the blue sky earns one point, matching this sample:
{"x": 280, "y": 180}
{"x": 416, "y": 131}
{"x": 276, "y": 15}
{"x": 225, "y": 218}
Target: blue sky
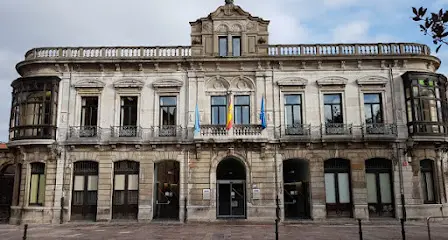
{"x": 25, "y": 24}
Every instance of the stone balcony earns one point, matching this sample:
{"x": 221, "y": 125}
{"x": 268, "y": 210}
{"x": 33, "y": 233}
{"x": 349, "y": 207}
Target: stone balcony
{"x": 182, "y": 52}
{"x": 217, "y": 133}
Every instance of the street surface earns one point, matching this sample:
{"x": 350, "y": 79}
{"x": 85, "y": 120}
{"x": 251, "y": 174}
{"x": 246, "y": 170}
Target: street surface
{"x": 134, "y": 231}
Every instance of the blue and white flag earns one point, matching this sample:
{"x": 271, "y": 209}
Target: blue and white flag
{"x": 197, "y": 124}
{"x": 263, "y": 114}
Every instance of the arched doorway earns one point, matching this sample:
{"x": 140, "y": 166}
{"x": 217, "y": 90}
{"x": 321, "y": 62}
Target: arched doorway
{"x": 380, "y": 195}
{"x": 125, "y": 195}
{"x": 6, "y": 191}
{"x": 296, "y": 189}
{"x": 338, "y": 188}
{"x": 167, "y": 190}
{"x": 231, "y": 189}
{"x": 85, "y": 190}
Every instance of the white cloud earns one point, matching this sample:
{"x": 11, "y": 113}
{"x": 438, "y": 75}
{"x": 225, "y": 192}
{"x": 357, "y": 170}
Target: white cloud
{"x": 339, "y": 3}
{"x": 356, "y": 31}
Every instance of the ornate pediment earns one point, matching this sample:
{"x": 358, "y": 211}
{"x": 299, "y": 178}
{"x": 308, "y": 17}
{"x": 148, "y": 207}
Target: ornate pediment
{"x": 217, "y": 83}
{"x": 129, "y": 83}
{"x": 89, "y": 83}
{"x": 292, "y": 81}
{"x": 242, "y": 83}
{"x": 372, "y": 80}
{"x": 332, "y": 81}
{"x": 230, "y": 11}
{"x": 167, "y": 83}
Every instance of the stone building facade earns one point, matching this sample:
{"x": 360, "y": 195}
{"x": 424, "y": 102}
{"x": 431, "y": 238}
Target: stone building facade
{"x": 139, "y": 133}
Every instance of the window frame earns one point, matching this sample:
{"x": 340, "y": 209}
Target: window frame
{"x": 241, "y": 108}
{"x": 335, "y": 167}
{"x": 212, "y": 106}
{"x": 169, "y": 106}
{"x": 340, "y": 104}
{"x": 37, "y": 168}
{"x": 85, "y": 106}
{"x": 122, "y": 106}
{"x": 379, "y": 103}
{"x": 239, "y": 53}
{"x": 423, "y": 179}
{"x": 223, "y": 52}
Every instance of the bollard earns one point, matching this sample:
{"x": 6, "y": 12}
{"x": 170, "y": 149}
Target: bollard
{"x": 25, "y": 230}
{"x": 61, "y": 217}
{"x": 360, "y": 229}
{"x": 185, "y": 210}
{"x": 277, "y": 217}
{"x": 276, "y": 229}
{"x": 403, "y": 234}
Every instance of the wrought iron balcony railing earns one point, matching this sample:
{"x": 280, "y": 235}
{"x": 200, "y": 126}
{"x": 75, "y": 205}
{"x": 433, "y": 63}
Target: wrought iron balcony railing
{"x": 337, "y": 129}
{"x": 298, "y": 129}
{"x": 126, "y": 132}
{"x": 84, "y": 132}
{"x": 380, "y": 129}
{"x": 32, "y": 132}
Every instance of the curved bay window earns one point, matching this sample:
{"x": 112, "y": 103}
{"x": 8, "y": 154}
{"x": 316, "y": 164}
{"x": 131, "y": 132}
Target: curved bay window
{"x": 337, "y": 188}
{"x": 426, "y": 104}
{"x": 427, "y": 181}
{"x": 34, "y": 108}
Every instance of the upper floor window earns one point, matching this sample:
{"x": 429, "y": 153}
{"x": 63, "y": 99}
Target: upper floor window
{"x": 89, "y": 111}
{"x": 427, "y": 180}
{"x": 242, "y": 110}
{"x": 373, "y": 110}
{"x": 168, "y": 106}
{"x": 128, "y": 111}
{"x": 37, "y": 185}
{"x": 333, "y": 108}
{"x": 236, "y": 46}
{"x": 425, "y": 102}
{"x": 219, "y": 110}
{"x": 223, "y": 46}
{"x": 293, "y": 114}
{"x": 34, "y": 108}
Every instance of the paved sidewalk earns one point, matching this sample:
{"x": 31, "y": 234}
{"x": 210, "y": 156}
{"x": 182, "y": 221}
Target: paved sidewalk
{"x": 165, "y": 231}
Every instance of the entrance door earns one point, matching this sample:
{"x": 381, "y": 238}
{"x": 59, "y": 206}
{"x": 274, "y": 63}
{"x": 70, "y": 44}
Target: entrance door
{"x": 167, "y": 187}
{"x": 379, "y": 188}
{"x": 231, "y": 189}
{"x": 6, "y": 192}
{"x": 85, "y": 191}
{"x": 125, "y": 196}
{"x": 296, "y": 189}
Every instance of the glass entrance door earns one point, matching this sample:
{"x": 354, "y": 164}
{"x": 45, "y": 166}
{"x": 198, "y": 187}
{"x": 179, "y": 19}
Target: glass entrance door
{"x": 296, "y": 200}
{"x": 231, "y": 199}
{"x": 6, "y": 191}
{"x": 167, "y": 187}
{"x": 85, "y": 191}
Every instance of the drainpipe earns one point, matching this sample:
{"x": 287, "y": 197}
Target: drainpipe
{"x": 398, "y": 153}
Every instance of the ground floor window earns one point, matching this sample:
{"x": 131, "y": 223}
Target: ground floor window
{"x": 37, "y": 184}
{"x": 338, "y": 188}
{"x": 427, "y": 180}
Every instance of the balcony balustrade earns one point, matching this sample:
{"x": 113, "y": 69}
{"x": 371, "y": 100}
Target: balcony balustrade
{"x": 219, "y": 132}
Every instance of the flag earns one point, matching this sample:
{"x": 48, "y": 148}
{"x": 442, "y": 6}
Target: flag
{"x": 262, "y": 114}
{"x": 197, "y": 125}
{"x": 229, "y": 114}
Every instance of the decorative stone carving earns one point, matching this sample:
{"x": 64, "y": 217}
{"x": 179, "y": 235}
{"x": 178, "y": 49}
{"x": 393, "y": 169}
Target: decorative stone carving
{"x": 242, "y": 83}
{"x": 171, "y": 83}
{"x": 222, "y": 28}
{"x": 206, "y": 27}
{"x": 292, "y": 81}
{"x": 250, "y": 26}
{"x": 372, "y": 80}
{"x": 89, "y": 83}
{"x": 54, "y": 151}
{"x": 128, "y": 83}
{"x": 196, "y": 40}
{"x": 237, "y": 28}
{"x": 217, "y": 83}
{"x": 334, "y": 80}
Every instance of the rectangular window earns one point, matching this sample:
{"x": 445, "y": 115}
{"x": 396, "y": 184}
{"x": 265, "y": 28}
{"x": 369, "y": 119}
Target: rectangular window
{"x": 373, "y": 110}
{"x": 128, "y": 111}
{"x": 333, "y": 108}
{"x": 89, "y": 111}
{"x": 219, "y": 110}
{"x": 236, "y": 46}
{"x": 293, "y": 110}
{"x": 168, "y": 108}
{"x": 223, "y": 46}
{"x": 37, "y": 186}
{"x": 242, "y": 110}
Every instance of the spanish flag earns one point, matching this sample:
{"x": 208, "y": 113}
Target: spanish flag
{"x": 229, "y": 114}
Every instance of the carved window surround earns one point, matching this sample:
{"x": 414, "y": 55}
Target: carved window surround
{"x": 89, "y": 86}
{"x": 167, "y": 86}
{"x": 372, "y": 82}
{"x": 292, "y": 84}
{"x": 332, "y": 83}
{"x": 129, "y": 84}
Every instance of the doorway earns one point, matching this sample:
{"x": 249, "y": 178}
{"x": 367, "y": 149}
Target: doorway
{"x": 6, "y": 192}
{"x": 380, "y": 195}
{"x": 167, "y": 190}
{"x": 85, "y": 191}
{"x": 125, "y": 195}
{"x": 296, "y": 185}
{"x": 231, "y": 189}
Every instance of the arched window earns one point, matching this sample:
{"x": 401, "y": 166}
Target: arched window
{"x": 37, "y": 185}
{"x": 34, "y": 108}
{"x": 426, "y": 102}
{"x": 427, "y": 180}
{"x": 338, "y": 187}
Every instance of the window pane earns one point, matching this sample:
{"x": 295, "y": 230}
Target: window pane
{"x": 41, "y": 196}
{"x": 371, "y": 98}
{"x": 246, "y": 115}
{"x": 119, "y": 182}
{"x": 376, "y": 108}
{"x": 219, "y": 100}
{"x": 34, "y": 188}
{"x": 371, "y": 188}
{"x": 368, "y": 113}
{"x": 429, "y": 186}
{"x": 238, "y": 115}
{"x": 168, "y": 101}
{"x": 344, "y": 188}
{"x": 133, "y": 182}
{"x": 92, "y": 184}
{"x": 78, "y": 185}
{"x": 288, "y": 115}
{"x": 328, "y": 114}
{"x": 292, "y": 99}
{"x": 222, "y": 46}
{"x": 330, "y": 189}
{"x": 236, "y": 46}
{"x": 332, "y": 98}
{"x": 386, "y": 193}
{"x": 297, "y": 114}
{"x": 242, "y": 100}
{"x": 215, "y": 115}
{"x": 222, "y": 116}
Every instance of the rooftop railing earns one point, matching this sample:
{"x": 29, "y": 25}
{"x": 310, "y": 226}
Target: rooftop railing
{"x": 166, "y": 52}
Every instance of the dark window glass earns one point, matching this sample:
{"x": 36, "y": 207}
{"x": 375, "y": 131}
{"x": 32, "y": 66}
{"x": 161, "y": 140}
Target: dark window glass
{"x": 373, "y": 110}
{"x": 236, "y": 46}
{"x": 293, "y": 110}
{"x": 128, "y": 111}
{"x": 34, "y": 108}
{"x": 89, "y": 111}
{"x": 37, "y": 184}
{"x": 242, "y": 110}
{"x": 168, "y": 106}
{"x": 219, "y": 110}
{"x": 222, "y": 46}
{"x": 337, "y": 187}
{"x": 333, "y": 108}
{"x": 427, "y": 180}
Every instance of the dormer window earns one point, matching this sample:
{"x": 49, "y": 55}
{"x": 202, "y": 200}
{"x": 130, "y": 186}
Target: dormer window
{"x": 236, "y": 46}
{"x": 224, "y": 46}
